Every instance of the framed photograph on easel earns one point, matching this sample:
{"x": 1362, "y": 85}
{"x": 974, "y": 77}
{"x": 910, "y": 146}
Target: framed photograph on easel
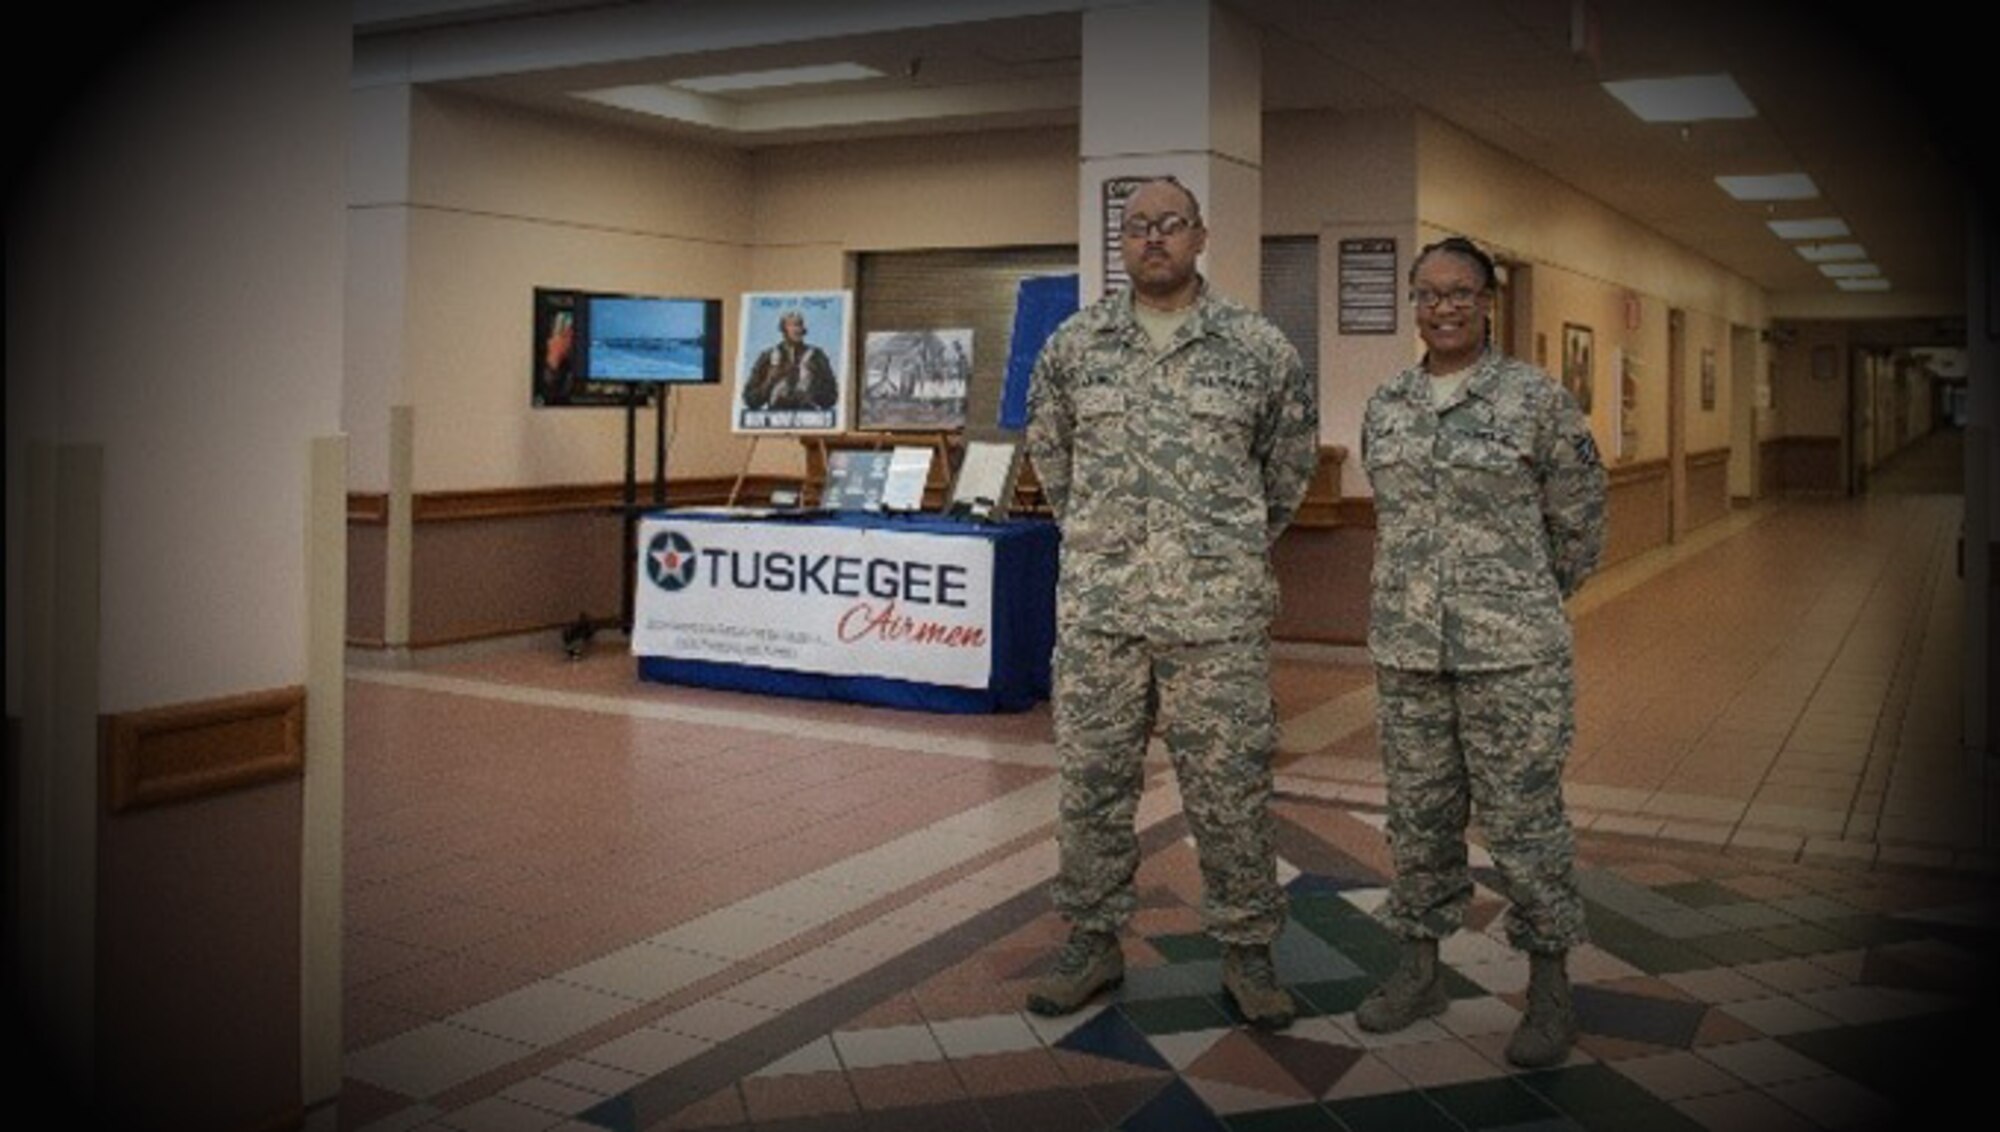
{"x": 915, "y": 379}
{"x": 792, "y": 365}
{"x": 984, "y": 488}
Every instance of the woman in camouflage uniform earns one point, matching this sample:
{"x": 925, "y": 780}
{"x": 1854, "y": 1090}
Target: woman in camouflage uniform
{"x": 1489, "y": 509}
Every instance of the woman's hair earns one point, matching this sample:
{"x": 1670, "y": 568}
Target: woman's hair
{"x": 1459, "y": 245}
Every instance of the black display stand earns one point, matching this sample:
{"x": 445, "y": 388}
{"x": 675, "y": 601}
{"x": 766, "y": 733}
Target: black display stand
{"x": 630, "y": 509}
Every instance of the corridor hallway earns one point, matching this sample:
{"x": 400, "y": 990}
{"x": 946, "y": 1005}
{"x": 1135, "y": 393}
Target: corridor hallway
{"x": 576, "y": 901}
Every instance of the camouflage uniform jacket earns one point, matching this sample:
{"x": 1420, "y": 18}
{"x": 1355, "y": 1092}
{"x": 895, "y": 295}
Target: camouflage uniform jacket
{"x": 1171, "y": 471}
{"x": 1489, "y": 511}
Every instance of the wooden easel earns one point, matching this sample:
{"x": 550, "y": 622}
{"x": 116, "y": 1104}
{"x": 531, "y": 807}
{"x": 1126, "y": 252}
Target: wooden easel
{"x": 749, "y": 454}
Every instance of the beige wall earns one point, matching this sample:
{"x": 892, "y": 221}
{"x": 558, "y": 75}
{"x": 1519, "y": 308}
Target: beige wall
{"x": 817, "y": 205}
{"x": 174, "y": 338}
{"x": 1806, "y": 405}
{"x": 443, "y": 268}
{"x": 446, "y": 263}
{"x": 605, "y": 208}
{"x": 1342, "y": 177}
{"x": 180, "y": 257}
{"x": 1595, "y": 268}
{"x": 997, "y": 188}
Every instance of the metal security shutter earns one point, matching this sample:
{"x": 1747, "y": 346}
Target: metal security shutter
{"x": 1290, "y": 281}
{"x": 945, "y": 290}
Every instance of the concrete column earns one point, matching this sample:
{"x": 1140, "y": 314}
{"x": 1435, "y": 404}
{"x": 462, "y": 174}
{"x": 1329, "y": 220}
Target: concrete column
{"x": 1173, "y": 87}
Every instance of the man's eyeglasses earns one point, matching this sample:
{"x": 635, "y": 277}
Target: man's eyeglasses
{"x": 1139, "y": 227}
{"x": 1459, "y": 297}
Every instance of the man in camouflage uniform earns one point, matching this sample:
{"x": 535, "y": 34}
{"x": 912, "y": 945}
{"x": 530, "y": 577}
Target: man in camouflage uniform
{"x": 1174, "y": 433}
{"x": 1489, "y": 511}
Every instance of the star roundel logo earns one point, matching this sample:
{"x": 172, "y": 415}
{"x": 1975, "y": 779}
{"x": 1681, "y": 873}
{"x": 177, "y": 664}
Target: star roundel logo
{"x": 670, "y": 561}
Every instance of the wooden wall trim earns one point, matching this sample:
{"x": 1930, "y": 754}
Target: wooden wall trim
{"x": 512, "y": 502}
{"x": 1355, "y": 511}
{"x": 517, "y": 502}
{"x": 182, "y": 752}
{"x": 1321, "y": 505}
{"x": 1622, "y": 474}
{"x": 1708, "y": 457}
{"x": 370, "y": 508}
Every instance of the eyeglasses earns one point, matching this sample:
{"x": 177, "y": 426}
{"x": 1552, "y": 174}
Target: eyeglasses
{"x": 1170, "y": 224}
{"x": 1459, "y": 297}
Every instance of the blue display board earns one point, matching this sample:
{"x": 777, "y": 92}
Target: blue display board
{"x": 1040, "y": 305}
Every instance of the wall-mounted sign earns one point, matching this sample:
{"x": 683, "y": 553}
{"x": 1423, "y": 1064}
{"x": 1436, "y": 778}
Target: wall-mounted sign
{"x": 1117, "y": 190}
{"x": 1369, "y": 291}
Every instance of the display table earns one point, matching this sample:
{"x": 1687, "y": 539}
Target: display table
{"x": 905, "y": 611}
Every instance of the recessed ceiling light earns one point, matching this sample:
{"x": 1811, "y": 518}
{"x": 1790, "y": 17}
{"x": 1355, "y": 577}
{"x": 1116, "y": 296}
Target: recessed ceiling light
{"x": 1689, "y": 98}
{"x": 1848, "y": 270}
{"x": 1876, "y": 284}
{"x": 1826, "y": 253}
{"x": 786, "y": 76}
{"x": 1770, "y": 186}
{"x": 1816, "y": 228}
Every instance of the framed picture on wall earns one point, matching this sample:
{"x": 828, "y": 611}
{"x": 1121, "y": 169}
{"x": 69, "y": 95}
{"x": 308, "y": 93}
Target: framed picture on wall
{"x": 1579, "y": 364}
{"x": 1708, "y": 378}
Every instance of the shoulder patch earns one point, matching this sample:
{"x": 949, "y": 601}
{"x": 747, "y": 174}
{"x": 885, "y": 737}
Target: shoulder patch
{"x": 1586, "y": 447}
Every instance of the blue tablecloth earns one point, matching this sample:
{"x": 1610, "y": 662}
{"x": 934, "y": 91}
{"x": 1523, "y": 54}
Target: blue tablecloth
{"x": 1022, "y": 630}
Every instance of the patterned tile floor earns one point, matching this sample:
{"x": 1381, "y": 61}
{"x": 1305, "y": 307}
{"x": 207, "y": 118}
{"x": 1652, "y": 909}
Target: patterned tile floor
{"x": 1718, "y": 992}
{"x": 577, "y": 902}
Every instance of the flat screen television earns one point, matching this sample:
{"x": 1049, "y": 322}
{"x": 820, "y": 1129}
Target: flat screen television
{"x": 640, "y": 338}
{"x": 592, "y": 348}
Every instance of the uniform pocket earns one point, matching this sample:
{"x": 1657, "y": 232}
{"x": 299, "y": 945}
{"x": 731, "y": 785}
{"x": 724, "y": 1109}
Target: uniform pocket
{"x": 1489, "y": 468}
{"x": 1222, "y": 407}
{"x": 1094, "y": 402}
{"x": 1397, "y": 464}
{"x": 1100, "y": 519}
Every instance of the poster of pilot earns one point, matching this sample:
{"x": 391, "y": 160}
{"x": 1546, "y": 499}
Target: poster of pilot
{"x": 915, "y": 379}
{"x": 792, "y": 371}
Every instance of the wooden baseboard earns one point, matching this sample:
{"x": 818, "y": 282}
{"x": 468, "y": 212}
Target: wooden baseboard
{"x": 182, "y": 752}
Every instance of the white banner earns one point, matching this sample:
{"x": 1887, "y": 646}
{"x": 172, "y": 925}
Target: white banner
{"x": 842, "y": 601}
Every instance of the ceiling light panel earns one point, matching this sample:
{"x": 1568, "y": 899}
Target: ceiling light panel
{"x": 1815, "y": 228}
{"x": 1848, "y": 270}
{"x": 786, "y": 76}
{"x": 1829, "y": 253}
{"x": 1689, "y": 98}
{"x": 1876, "y": 284}
{"x": 1770, "y": 186}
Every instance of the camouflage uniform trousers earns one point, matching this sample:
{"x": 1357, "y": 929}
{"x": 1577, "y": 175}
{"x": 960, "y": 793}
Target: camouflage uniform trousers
{"x": 1212, "y": 702}
{"x": 1497, "y": 740}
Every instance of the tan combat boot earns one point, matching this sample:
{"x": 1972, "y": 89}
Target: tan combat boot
{"x": 1415, "y": 989}
{"x": 1252, "y": 981}
{"x": 1548, "y": 1030}
{"x": 1090, "y": 962}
